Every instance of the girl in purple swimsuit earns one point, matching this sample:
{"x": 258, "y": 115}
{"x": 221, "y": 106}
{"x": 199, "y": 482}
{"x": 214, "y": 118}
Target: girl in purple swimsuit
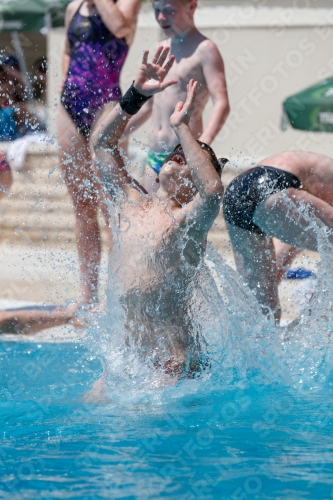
{"x": 98, "y": 36}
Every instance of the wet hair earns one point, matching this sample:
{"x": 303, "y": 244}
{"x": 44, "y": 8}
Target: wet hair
{"x": 218, "y": 163}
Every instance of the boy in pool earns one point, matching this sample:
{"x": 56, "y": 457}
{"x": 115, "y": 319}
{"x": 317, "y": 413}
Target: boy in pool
{"x": 196, "y": 57}
{"x": 266, "y": 202}
{"x": 160, "y": 239}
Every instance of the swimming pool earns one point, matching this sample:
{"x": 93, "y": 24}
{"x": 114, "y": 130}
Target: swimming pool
{"x": 196, "y": 440}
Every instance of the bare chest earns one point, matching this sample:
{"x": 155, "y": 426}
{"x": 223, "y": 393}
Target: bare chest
{"x": 183, "y": 71}
{"x": 187, "y": 67}
{"x": 149, "y": 229}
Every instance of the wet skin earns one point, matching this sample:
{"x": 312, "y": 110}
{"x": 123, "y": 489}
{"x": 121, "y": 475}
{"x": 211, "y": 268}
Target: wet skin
{"x": 259, "y": 260}
{"x": 160, "y": 239}
{"x": 314, "y": 171}
{"x": 196, "y": 57}
{"x": 155, "y": 258}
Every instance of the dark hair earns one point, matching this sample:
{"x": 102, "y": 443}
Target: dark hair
{"x": 10, "y": 60}
{"x": 218, "y": 163}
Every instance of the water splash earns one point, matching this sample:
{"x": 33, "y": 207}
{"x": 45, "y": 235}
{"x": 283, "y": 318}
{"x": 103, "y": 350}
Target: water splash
{"x": 241, "y": 346}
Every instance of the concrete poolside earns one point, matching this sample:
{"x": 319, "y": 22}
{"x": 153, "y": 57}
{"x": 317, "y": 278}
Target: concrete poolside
{"x": 31, "y": 276}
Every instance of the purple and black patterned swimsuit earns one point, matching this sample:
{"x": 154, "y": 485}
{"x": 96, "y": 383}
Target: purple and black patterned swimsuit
{"x": 97, "y": 57}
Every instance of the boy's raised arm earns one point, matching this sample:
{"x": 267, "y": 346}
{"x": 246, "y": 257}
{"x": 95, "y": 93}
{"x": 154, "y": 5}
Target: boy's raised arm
{"x": 202, "y": 170}
{"x": 139, "y": 119}
{"x": 149, "y": 81}
{"x": 109, "y": 160}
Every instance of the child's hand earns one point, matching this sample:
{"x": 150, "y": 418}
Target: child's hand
{"x": 183, "y": 112}
{"x": 150, "y": 79}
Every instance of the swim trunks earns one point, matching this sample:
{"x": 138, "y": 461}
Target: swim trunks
{"x": 156, "y": 160}
{"x": 4, "y": 165}
{"x": 244, "y": 194}
{"x": 96, "y": 58}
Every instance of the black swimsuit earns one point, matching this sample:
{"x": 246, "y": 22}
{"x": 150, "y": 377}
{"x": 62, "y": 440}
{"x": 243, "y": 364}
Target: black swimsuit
{"x": 244, "y": 194}
{"x": 97, "y": 57}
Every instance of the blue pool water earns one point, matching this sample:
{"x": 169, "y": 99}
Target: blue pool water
{"x": 253, "y": 440}
{"x": 257, "y": 423}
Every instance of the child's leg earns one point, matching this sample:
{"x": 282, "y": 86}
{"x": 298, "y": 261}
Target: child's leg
{"x": 32, "y": 321}
{"x": 6, "y": 181}
{"x": 255, "y": 261}
{"x": 285, "y": 255}
{"x": 282, "y": 216}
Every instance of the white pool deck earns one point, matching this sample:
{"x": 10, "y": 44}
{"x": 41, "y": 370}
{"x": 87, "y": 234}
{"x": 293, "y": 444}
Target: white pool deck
{"x": 31, "y": 276}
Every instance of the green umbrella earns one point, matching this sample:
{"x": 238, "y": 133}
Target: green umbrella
{"x": 29, "y": 15}
{"x": 312, "y": 109}
{"x": 57, "y": 11}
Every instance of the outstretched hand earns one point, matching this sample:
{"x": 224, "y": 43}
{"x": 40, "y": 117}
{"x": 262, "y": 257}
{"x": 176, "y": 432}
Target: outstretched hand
{"x": 151, "y": 77}
{"x": 183, "y": 111}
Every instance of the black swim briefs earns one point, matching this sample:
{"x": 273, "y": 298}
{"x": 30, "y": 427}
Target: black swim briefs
{"x": 251, "y": 188}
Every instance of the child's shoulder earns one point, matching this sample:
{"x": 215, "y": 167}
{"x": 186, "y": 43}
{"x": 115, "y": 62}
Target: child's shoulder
{"x": 73, "y": 6}
{"x": 206, "y": 47}
{"x": 71, "y": 9}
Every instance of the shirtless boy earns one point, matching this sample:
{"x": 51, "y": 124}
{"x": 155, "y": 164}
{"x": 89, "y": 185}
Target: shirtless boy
{"x": 159, "y": 239}
{"x": 266, "y": 202}
{"x": 196, "y": 57}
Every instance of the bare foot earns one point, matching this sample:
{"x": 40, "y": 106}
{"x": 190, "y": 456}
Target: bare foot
{"x": 98, "y": 392}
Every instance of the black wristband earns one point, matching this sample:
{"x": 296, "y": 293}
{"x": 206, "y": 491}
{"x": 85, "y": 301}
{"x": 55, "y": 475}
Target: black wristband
{"x": 133, "y": 101}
